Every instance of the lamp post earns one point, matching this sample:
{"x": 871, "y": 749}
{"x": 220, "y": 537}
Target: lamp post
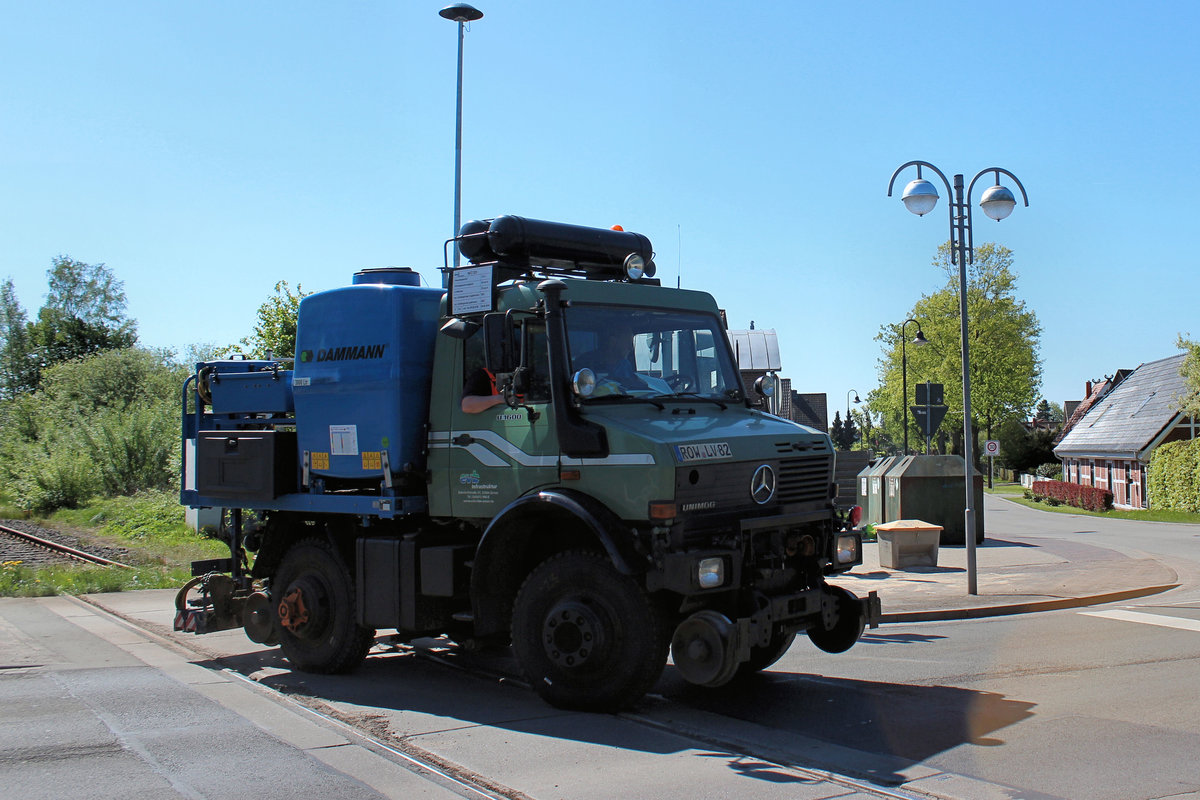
{"x": 920, "y": 196}
{"x": 856, "y": 400}
{"x": 460, "y": 13}
{"x": 919, "y": 339}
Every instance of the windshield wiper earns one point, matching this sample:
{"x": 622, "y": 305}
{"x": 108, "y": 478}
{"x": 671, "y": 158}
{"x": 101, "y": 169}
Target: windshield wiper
{"x": 694, "y": 395}
{"x": 627, "y": 398}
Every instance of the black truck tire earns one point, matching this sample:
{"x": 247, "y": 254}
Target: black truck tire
{"x": 848, "y": 624}
{"x": 329, "y": 640}
{"x": 586, "y": 636}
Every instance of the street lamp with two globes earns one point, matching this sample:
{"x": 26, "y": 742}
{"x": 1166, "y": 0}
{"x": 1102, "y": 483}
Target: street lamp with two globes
{"x": 920, "y": 196}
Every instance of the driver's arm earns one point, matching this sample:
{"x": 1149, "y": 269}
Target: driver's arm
{"x": 479, "y": 393}
{"x": 474, "y": 404}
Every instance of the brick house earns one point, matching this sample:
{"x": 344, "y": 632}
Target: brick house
{"x": 1110, "y": 439}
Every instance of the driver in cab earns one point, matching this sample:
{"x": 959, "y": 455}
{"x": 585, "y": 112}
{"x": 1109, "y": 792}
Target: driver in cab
{"x": 613, "y": 359}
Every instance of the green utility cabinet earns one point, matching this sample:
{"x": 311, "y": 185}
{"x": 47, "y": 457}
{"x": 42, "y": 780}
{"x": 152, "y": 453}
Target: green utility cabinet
{"x": 930, "y": 488}
{"x": 870, "y": 490}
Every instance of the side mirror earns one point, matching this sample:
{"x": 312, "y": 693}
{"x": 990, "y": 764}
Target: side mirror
{"x": 498, "y": 343}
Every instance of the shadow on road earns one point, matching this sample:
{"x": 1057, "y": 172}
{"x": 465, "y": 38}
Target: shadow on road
{"x": 894, "y": 720}
{"x": 418, "y": 700}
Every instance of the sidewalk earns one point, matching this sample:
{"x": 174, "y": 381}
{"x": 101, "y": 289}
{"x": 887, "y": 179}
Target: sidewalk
{"x": 1014, "y": 575}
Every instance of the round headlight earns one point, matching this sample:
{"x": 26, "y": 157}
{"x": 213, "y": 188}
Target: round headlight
{"x": 847, "y": 549}
{"x": 765, "y": 385}
{"x": 635, "y": 266}
{"x": 584, "y": 382}
{"x": 710, "y": 573}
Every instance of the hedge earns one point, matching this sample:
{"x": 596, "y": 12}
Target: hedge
{"x": 1173, "y": 479}
{"x": 1073, "y": 494}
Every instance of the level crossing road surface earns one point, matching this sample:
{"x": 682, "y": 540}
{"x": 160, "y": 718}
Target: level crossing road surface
{"x": 96, "y": 707}
{"x": 1095, "y": 701}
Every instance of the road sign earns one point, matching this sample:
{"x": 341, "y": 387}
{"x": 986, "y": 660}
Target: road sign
{"x": 928, "y": 418}
{"x": 991, "y": 448}
{"x": 930, "y": 394}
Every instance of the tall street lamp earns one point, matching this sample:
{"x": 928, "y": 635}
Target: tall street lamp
{"x": 856, "y": 400}
{"x": 461, "y": 13}
{"x": 919, "y": 339}
{"x": 920, "y": 196}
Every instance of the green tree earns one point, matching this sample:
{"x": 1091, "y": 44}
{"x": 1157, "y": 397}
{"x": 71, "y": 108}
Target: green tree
{"x": 1190, "y": 370}
{"x": 1024, "y": 450}
{"x": 18, "y": 371}
{"x": 1049, "y": 414}
{"x": 84, "y": 314}
{"x": 849, "y": 431}
{"x": 275, "y": 329}
{"x": 836, "y": 430}
{"x": 870, "y": 434}
{"x": 1004, "y": 340}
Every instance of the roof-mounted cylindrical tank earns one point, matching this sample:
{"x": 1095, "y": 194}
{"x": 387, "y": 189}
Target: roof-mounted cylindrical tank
{"x": 519, "y": 240}
{"x": 389, "y": 276}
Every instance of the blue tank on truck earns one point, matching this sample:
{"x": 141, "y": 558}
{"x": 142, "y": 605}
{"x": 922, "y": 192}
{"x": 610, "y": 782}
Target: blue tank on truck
{"x": 364, "y": 361}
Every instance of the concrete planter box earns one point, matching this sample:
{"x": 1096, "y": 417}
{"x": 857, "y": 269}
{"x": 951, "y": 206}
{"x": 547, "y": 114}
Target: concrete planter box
{"x": 908, "y": 543}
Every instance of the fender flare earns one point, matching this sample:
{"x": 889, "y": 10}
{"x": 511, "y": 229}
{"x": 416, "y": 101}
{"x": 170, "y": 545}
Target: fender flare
{"x": 509, "y": 548}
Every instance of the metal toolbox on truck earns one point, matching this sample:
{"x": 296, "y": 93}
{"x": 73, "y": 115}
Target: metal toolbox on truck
{"x": 246, "y": 465}
{"x": 240, "y": 385}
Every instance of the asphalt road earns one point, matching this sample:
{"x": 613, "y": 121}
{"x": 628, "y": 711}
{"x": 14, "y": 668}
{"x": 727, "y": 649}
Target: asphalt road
{"x": 1096, "y": 703}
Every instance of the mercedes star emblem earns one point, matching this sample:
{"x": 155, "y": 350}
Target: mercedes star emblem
{"x": 762, "y": 485}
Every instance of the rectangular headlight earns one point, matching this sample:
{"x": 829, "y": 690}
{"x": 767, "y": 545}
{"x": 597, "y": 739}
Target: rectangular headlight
{"x": 710, "y": 572}
{"x": 847, "y": 549}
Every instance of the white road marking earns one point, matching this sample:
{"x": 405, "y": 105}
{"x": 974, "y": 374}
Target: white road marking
{"x": 1147, "y": 619}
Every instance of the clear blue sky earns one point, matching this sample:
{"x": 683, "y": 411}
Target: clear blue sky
{"x": 204, "y": 151}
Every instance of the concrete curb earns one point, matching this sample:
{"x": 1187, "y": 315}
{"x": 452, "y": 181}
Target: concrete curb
{"x": 979, "y": 612}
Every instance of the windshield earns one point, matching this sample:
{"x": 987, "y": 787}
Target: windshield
{"x": 645, "y": 352}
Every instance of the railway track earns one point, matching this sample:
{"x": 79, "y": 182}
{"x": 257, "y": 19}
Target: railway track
{"x": 32, "y": 545}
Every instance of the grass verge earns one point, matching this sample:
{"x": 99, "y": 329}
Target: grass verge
{"x": 150, "y": 525}
{"x": 1148, "y": 515}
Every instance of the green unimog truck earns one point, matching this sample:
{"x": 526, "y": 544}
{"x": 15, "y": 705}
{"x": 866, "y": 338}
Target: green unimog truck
{"x": 617, "y": 498}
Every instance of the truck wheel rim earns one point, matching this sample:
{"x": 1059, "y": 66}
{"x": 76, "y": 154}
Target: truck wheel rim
{"x": 572, "y": 633}
{"x": 301, "y": 611}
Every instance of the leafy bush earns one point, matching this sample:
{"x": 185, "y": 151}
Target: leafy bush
{"x": 1051, "y": 470}
{"x": 47, "y": 473}
{"x": 106, "y": 423}
{"x": 1073, "y": 494}
{"x": 1173, "y": 479}
{"x": 135, "y": 449}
